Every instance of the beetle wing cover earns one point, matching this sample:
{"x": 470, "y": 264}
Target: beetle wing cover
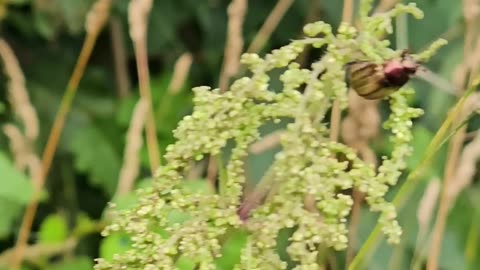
{"x": 367, "y": 79}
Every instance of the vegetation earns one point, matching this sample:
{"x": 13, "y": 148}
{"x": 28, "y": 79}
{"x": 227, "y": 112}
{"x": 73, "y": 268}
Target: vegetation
{"x": 277, "y": 168}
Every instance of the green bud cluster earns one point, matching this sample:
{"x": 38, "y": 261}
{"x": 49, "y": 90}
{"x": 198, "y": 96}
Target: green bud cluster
{"x": 307, "y": 177}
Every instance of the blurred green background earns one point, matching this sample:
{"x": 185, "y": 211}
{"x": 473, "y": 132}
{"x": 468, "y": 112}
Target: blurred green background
{"x": 46, "y": 37}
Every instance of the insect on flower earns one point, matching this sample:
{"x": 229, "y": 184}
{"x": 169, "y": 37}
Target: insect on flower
{"x": 375, "y": 81}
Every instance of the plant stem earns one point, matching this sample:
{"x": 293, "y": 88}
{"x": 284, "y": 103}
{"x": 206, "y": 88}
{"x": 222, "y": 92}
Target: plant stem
{"x": 50, "y": 149}
{"x": 269, "y": 25}
{"x": 335, "y": 118}
{"x": 141, "y": 58}
{"x": 402, "y": 32}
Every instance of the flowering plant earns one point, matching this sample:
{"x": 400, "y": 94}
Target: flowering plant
{"x": 306, "y": 167}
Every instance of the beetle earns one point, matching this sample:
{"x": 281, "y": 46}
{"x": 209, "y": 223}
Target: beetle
{"x": 375, "y": 81}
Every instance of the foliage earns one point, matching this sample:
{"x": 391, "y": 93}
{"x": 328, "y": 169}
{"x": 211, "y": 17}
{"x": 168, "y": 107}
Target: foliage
{"x": 46, "y": 37}
{"x": 303, "y": 168}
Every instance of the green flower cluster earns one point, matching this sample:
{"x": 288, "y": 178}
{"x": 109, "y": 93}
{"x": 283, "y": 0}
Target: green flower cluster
{"x": 307, "y": 176}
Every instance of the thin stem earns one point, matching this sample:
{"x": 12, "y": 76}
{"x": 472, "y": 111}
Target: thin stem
{"x": 353, "y": 226}
{"x": 212, "y": 170}
{"x": 141, "y": 58}
{"x": 471, "y": 249}
{"x": 455, "y": 147}
{"x": 442, "y": 214}
{"x": 335, "y": 118}
{"x": 269, "y": 25}
{"x": 385, "y": 5}
{"x": 222, "y": 175}
{"x": 347, "y": 12}
{"x": 50, "y": 149}
{"x": 119, "y": 58}
{"x": 401, "y": 31}
{"x": 234, "y": 44}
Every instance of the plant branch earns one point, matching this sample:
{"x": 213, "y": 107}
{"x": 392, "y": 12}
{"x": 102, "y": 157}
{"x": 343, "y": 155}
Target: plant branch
{"x": 96, "y": 19}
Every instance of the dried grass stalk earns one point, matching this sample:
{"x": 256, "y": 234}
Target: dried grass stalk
{"x": 464, "y": 76}
{"x": 466, "y": 169}
{"x": 18, "y": 145}
{"x": 266, "y": 143}
{"x": 471, "y": 10}
{"x": 138, "y": 12}
{"x": 21, "y": 144}
{"x": 269, "y": 25}
{"x": 234, "y": 44}
{"x": 17, "y": 92}
{"x": 180, "y": 72}
{"x": 97, "y": 16}
{"x": 40, "y": 251}
{"x": 427, "y": 204}
{"x": 385, "y": 5}
{"x": 131, "y": 161}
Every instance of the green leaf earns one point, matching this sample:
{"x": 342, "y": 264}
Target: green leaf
{"x": 46, "y": 19}
{"x": 451, "y": 256}
{"x": 197, "y": 187}
{"x": 74, "y": 12}
{"x": 169, "y": 108}
{"x": 84, "y": 225}
{"x": 124, "y": 110}
{"x": 115, "y": 243}
{"x": 421, "y": 139}
{"x": 2, "y": 107}
{"x": 77, "y": 263}
{"x": 10, "y": 212}
{"x": 96, "y": 156}
{"x": 54, "y": 229}
{"x": 185, "y": 263}
{"x": 16, "y": 190}
{"x": 231, "y": 250}
{"x": 15, "y": 185}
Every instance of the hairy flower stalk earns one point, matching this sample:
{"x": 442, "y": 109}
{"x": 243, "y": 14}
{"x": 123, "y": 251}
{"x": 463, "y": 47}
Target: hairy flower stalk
{"x": 305, "y": 167}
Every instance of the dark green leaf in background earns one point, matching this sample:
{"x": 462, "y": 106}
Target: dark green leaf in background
{"x": 16, "y": 190}
{"x": 10, "y": 211}
{"x": 96, "y": 156}
{"x": 231, "y": 250}
{"x": 13, "y": 181}
{"x": 53, "y": 229}
{"x": 114, "y": 244}
{"x": 78, "y": 263}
